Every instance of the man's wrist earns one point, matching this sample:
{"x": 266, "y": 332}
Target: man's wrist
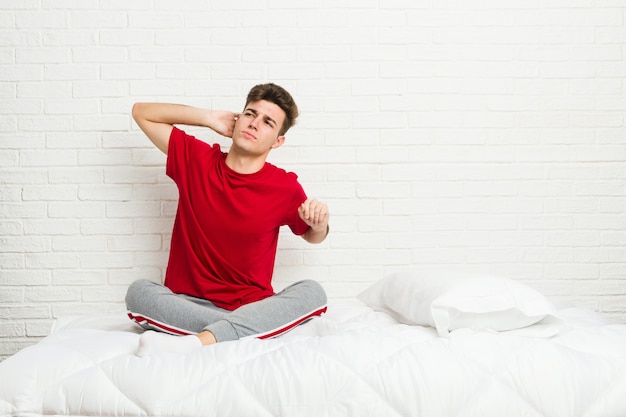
{"x": 324, "y": 230}
{"x": 209, "y": 118}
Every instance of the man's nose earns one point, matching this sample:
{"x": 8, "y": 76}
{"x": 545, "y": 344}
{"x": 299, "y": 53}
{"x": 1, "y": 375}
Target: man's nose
{"x": 254, "y": 122}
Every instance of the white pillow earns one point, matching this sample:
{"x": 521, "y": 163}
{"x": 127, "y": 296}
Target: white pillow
{"x": 454, "y": 300}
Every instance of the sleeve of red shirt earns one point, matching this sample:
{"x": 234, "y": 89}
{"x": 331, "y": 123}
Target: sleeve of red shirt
{"x": 295, "y": 223}
{"x": 175, "y": 154}
{"x": 180, "y": 149}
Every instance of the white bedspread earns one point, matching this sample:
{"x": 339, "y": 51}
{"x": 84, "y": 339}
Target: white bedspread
{"x": 351, "y": 362}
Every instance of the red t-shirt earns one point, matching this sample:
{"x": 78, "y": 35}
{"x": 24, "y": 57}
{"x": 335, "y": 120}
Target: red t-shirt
{"x": 226, "y": 228}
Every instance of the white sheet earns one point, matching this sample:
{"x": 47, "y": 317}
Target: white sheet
{"x": 350, "y": 362}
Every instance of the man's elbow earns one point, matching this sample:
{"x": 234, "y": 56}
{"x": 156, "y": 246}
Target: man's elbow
{"x": 137, "y": 111}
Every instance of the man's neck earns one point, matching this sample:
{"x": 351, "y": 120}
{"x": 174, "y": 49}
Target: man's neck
{"x": 245, "y": 164}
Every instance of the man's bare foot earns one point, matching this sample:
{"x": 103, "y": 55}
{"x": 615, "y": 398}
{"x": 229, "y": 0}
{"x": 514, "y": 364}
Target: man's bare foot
{"x": 206, "y": 338}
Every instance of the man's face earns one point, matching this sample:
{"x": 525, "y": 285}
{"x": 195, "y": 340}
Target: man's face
{"x": 257, "y": 128}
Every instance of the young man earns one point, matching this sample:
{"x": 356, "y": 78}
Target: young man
{"x": 231, "y": 206}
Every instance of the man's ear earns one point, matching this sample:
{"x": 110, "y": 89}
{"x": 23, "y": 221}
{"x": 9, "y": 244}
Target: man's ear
{"x": 278, "y": 142}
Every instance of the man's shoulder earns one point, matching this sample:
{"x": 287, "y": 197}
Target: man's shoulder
{"x": 190, "y": 141}
{"x": 281, "y": 173}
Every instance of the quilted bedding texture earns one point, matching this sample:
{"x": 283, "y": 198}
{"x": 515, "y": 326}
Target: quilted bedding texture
{"x": 351, "y": 362}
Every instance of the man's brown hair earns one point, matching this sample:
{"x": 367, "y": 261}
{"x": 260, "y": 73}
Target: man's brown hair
{"x": 279, "y": 96}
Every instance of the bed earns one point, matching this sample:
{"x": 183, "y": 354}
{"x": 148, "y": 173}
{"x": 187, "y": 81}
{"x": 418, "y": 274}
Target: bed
{"x": 413, "y": 344}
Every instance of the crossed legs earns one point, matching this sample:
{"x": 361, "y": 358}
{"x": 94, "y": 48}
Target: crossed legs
{"x": 155, "y": 307}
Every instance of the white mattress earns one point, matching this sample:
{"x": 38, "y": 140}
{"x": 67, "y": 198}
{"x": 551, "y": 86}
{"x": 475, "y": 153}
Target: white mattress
{"x": 352, "y": 361}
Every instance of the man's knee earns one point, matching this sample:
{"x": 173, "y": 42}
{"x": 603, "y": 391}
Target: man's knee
{"x": 313, "y": 291}
{"x": 136, "y": 293}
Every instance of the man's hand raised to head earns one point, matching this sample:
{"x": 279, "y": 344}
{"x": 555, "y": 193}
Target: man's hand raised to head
{"x": 223, "y": 122}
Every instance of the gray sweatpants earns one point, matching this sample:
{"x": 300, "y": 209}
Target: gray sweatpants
{"x": 155, "y": 307}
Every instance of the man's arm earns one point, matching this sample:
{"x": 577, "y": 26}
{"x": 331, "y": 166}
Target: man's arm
{"x": 315, "y": 213}
{"x": 156, "y": 120}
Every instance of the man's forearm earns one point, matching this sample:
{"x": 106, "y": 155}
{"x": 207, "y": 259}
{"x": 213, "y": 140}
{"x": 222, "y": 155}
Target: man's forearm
{"x": 171, "y": 114}
{"x": 316, "y": 236}
{"x": 156, "y": 120}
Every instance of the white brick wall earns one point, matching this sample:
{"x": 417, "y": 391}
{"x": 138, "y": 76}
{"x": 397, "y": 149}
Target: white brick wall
{"x": 487, "y": 135}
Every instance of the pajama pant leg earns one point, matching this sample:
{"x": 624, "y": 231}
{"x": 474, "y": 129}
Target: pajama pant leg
{"x": 274, "y": 315}
{"x": 155, "y": 307}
